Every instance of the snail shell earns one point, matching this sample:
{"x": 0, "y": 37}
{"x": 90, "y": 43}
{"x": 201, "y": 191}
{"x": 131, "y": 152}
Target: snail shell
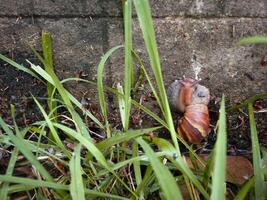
{"x": 191, "y": 98}
{"x": 182, "y": 93}
{"x": 194, "y": 125}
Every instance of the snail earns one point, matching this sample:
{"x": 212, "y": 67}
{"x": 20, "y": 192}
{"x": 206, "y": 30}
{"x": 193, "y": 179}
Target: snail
{"x": 189, "y": 97}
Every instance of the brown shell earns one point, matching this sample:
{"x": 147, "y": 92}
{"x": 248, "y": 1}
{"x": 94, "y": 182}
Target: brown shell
{"x": 194, "y": 126}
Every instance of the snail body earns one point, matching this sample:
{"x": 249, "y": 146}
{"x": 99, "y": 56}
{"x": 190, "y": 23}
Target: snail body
{"x": 189, "y": 97}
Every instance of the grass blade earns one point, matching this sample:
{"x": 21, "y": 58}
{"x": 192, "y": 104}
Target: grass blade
{"x": 100, "y": 87}
{"x": 178, "y": 161}
{"x": 145, "y": 19}
{"x": 126, "y": 136}
{"x": 164, "y": 176}
{"x": 67, "y": 98}
{"x": 18, "y": 66}
{"x": 254, "y": 39}
{"x": 258, "y": 173}
{"x": 137, "y": 168}
{"x": 128, "y": 65}
{"x": 122, "y": 105}
{"x": 218, "y": 181}
{"x": 93, "y": 150}
{"x": 76, "y": 184}
{"x": 52, "y": 129}
{"x": 23, "y": 147}
{"x": 245, "y": 189}
{"x": 58, "y": 186}
{"x": 48, "y": 60}
{"x": 9, "y": 171}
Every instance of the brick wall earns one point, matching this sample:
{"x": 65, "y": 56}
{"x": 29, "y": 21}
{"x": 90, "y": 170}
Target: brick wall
{"x": 192, "y": 35}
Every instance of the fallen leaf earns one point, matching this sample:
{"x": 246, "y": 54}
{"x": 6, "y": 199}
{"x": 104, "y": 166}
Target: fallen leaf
{"x": 239, "y": 169}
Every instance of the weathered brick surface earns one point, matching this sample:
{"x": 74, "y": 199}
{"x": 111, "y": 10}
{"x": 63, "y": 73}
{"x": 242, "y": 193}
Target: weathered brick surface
{"x": 190, "y": 34}
{"x": 215, "y": 8}
{"x": 78, "y": 44}
{"x": 160, "y": 8}
{"x": 60, "y": 8}
{"x": 210, "y": 46}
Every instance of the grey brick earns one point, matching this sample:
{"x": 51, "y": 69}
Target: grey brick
{"x": 77, "y": 45}
{"x": 207, "y": 8}
{"x": 160, "y": 8}
{"x": 186, "y": 44}
{"x": 66, "y": 8}
{"x": 246, "y": 8}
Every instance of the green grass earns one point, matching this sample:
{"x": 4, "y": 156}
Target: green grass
{"x": 127, "y": 163}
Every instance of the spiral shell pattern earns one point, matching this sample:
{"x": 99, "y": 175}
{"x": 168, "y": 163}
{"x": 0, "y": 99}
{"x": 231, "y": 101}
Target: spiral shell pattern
{"x": 194, "y": 125}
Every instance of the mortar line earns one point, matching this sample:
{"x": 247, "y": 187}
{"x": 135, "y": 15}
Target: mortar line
{"x": 67, "y": 16}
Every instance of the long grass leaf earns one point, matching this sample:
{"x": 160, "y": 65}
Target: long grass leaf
{"x": 67, "y": 98}
{"x": 48, "y": 60}
{"x": 100, "y": 86}
{"x": 254, "y": 39}
{"x": 145, "y": 19}
{"x": 260, "y": 189}
{"x": 23, "y": 147}
{"x": 93, "y": 150}
{"x": 76, "y": 184}
{"x": 126, "y": 136}
{"x": 137, "y": 168}
{"x": 218, "y": 178}
{"x": 128, "y": 63}
{"x": 9, "y": 171}
{"x": 122, "y": 105}
{"x": 52, "y": 129}
{"x": 178, "y": 161}
{"x": 49, "y": 184}
{"x": 166, "y": 180}
{"x": 18, "y": 66}
{"x": 243, "y": 192}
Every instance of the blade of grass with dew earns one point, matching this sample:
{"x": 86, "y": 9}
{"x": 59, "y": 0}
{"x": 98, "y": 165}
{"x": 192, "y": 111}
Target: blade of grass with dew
{"x": 178, "y": 161}
{"x": 256, "y": 155}
{"x": 18, "y": 66}
{"x": 76, "y": 183}
{"x": 58, "y": 186}
{"x": 125, "y": 136}
{"x": 164, "y": 176}
{"x": 52, "y": 129}
{"x": 128, "y": 61}
{"x": 254, "y": 39}
{"x": 122, "y": 104}
{"x": 100, "y": 87}
{"x": 144, "y": 15}
{"x": 218, "y": 188}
